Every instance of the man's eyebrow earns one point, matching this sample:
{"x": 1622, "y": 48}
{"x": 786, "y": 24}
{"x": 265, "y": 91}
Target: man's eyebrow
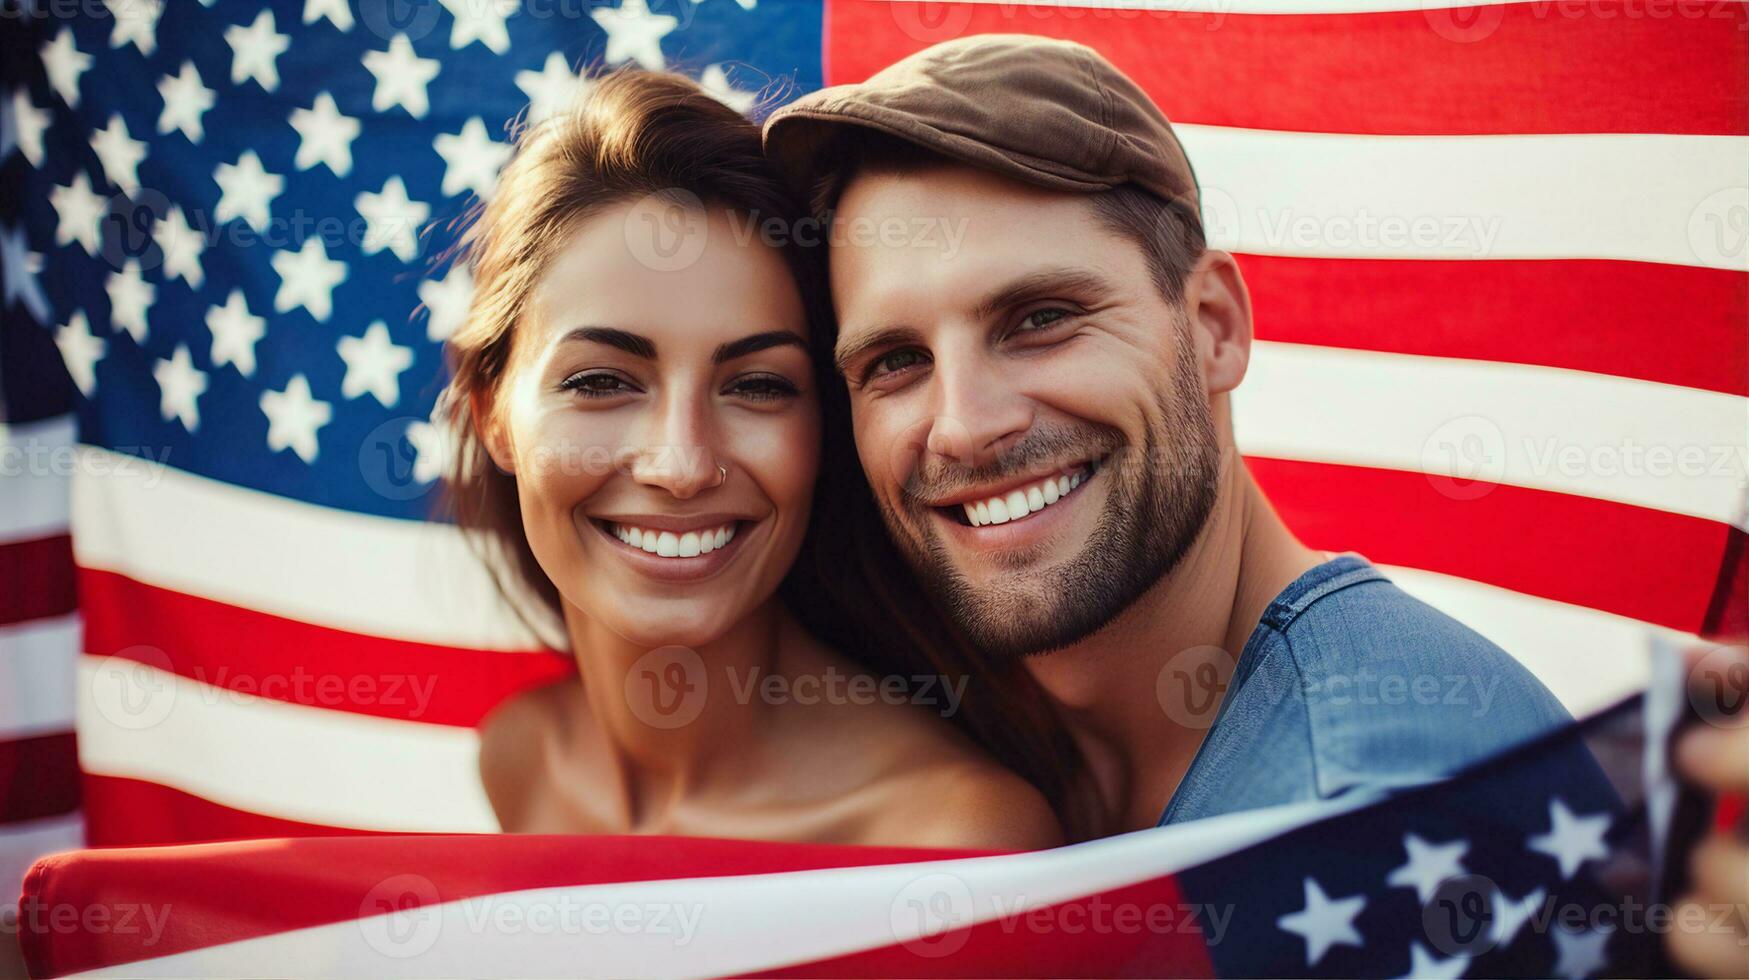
{"x": 631, "y": 343}
{"x": 1035, "y": 285}
{"x": 849, "y": 352}
{"x": 754, "y": 343}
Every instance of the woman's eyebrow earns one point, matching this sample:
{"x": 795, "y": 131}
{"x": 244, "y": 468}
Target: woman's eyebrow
{"x": 631, "y": 343}
{"x": 753, "y": 343}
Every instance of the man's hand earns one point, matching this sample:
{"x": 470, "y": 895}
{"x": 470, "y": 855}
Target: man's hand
{"x": 1715, "y": 756}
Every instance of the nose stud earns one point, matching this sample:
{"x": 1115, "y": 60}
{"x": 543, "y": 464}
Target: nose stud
{"x": 722, "y": 476}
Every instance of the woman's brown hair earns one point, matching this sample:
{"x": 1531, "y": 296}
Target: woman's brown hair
{"x": 636, "y": 134}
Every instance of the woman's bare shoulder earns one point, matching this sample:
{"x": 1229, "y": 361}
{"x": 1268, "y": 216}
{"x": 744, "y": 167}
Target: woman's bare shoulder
{"x": 968, "y": 803}
{"x": 512, "y": 739}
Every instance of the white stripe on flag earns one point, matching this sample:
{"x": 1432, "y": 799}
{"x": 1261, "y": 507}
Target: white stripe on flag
{"x": 36, "y": 461}
{"x": 1587, "y": 196}
{"x": 741, "y": 923}
{"x": 1587, "y": 658}
{"x": 409, "y": 580}
{"x": 315, "y": 765}
{"x": 36, "y": 676}
{"x": 1666, "y": 447}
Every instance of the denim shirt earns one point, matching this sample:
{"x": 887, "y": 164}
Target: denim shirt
{"x": 1348, "y": 682}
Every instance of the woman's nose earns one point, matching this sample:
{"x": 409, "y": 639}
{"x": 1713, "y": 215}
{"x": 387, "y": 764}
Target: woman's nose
{"x": 680, "y": 454}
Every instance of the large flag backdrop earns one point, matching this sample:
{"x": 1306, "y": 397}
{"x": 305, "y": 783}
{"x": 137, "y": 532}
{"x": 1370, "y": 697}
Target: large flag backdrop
{"x": 1497, "y": 255}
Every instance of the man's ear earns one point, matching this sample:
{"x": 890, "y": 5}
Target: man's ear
{"x": 490, "y": 426}
{"x": 1219, "y": 306}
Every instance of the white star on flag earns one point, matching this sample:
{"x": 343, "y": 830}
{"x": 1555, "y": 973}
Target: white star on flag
{"x": 1510, "y": 916}
{"x": 715, "y": 82}
{"x": 79, "y": 214}
{"x": 20, "y": 266}
{"x": 482, "y": 21}
{"x": 553, "y": 89}
{"x": 1581, "y": 954}
{"x": 293, "y": 417}
{"x": 391, "y": 220}
{"x": 434, "y": 448}
{"x": 446, "y": 300}
{"x": 1423, "y": 965}
{"x": 373, "y": 365}
{"x": 81, "y": 351}
{"x": 182, "y": 245}
{"x": 64, "y": 63}
{"x": 247, "y": 190}
{"x": 471, "y": 160}
{"x": 338, "y": 12}
{"x": 307, "y": 279}
{"x": 28, "y": 125}
{"x": 179, "y": 384}
{"x": 324, "y": 136}
{"x": 1428, "y": 865}
{"x": 186, "y": 99}
{"x": 120, "y": 155}
{"x": 235, "y": 331}
{"x": 130, "y": 296}
{"x": 1324, "y": 923}
{"x": 401, "y": 77}
{"x": 136, "y": 23}
{"x": 635, "y": 34}
{"x": 1572, "y": 840}
{"x": 253, "y": 50}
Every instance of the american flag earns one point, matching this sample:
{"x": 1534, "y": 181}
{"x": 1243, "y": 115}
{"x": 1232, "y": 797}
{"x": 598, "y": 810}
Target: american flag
{"x": 1533, "y": 864}
{"x": 1497, "y": 255}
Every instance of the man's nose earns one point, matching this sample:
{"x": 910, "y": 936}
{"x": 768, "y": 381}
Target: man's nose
{"x": 978, "y": 412}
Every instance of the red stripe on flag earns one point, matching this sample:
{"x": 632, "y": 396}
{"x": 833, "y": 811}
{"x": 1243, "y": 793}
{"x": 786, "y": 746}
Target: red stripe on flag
{"x": 1727, "y": 618}
{"x": 1142, "y": 930}
{"x": 1600, "y": 67}
{"x": 1646, "y": 564}
{"x": 220, "y": 893}
{"x": 286, "y": 660}
{"x": 39, "y": 777}
{"x": 36, "y": 579}
{"x": 1606, "y": 317}
{"x": 122, "y": 812}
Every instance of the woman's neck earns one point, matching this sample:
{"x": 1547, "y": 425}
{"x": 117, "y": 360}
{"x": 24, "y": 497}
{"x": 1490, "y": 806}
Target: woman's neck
{"x": 673, "y": 721}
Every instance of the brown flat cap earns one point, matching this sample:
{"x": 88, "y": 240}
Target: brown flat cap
{"x": 1048, "y": 112}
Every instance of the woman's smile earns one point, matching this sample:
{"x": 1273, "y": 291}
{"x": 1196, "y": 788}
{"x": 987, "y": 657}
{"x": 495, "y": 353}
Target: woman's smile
{"x": 674, "y": 549}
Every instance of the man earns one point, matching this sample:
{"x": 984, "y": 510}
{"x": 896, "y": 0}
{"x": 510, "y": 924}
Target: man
{"x": 1040, "y": 396}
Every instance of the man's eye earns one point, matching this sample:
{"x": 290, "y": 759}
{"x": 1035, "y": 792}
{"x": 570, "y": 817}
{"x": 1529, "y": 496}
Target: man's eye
{"x": 1042, "y": 319}
{"x": 893, "y": 362}
{"x": 597, "y": 384}
{"x": 762, "y": 387}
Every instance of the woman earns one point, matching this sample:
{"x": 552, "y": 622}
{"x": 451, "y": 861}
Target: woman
{"x": 637, "y": 395}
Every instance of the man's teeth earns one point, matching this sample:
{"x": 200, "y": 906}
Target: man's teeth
{"x": 667, "y": 544}
{"x": 1015, "y": 504}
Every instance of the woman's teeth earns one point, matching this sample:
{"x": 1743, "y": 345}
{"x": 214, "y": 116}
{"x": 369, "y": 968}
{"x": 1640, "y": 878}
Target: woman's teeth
{"x": 1015, "y": 504}
{"x": 667, "y": 544}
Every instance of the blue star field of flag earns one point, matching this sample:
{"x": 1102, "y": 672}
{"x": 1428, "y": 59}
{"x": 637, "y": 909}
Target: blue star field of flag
{"x": 232, "y": 214}
{"x": 1536, "y": 864}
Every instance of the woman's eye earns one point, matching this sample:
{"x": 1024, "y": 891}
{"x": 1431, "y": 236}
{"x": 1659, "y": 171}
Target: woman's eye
{"x": 893, "y": 362}
{"x": 1042, "y": 319}
{"x": 762, "y": 387}
{"x": 597, "y": 384}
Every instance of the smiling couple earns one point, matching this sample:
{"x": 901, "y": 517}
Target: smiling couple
{"x": 1009, "y": 466}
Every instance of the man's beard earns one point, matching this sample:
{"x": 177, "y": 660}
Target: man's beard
{"x": 1149, "y": 522}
